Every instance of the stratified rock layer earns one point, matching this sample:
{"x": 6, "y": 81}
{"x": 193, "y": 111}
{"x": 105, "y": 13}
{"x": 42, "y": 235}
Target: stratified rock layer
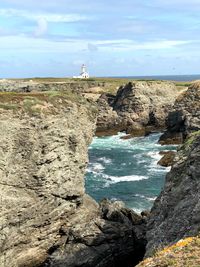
{"x": 185, "y": 116}
{"x": 137, "y": 108}
{"x": 176, "y": 212}
{"x": 46, "y": 219}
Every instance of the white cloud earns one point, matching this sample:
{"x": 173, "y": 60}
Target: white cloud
{"x": 129, "y": 45}
{"x": 49, "y": 17}
{"x": 30, "y": 44}
{"x": 41, "y": 28}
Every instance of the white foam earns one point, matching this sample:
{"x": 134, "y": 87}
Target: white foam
{"x": 105, "y": 160}
{"x": 154, "y": 155}
{"x": 95, "y": 167}
{"x": 145, "y": 197}
{"x": 151, "y": 198}
{"x": 155, "y": 168}
{"x": 118, "y": 179}
{"x": 138, "y": 211}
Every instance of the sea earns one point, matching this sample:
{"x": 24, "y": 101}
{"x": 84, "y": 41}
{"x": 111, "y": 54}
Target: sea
{"x": 126, "y": 169}
{"x": 177, "y": 78}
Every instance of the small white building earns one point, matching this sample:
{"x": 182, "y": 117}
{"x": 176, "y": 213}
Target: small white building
{"x": 84, "y": 74}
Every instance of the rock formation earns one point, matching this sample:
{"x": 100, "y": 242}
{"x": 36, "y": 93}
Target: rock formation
{"x": 108, "y": 120}
{"x": 137, "y": 108}
{"x": 46, "y": 219}
{"x": 176, "y": 212}
{"x": 184, "y": 117}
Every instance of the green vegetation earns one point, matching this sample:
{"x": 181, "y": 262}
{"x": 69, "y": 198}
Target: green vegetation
{"x": 108, "y": 85}
{"x": 183, "y": 84}
{"x": 35, "y": 103}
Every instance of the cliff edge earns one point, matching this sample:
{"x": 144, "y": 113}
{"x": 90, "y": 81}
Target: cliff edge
{"x": 46, "y": 219}
{"x": 175, "y": 213}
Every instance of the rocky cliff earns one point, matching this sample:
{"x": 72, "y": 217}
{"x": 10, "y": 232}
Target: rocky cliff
{"x": 176, "y": 212}
{"x": 46, "y": 219}
{"x": 137, "y": 108}
{"x": 184, "y": 118}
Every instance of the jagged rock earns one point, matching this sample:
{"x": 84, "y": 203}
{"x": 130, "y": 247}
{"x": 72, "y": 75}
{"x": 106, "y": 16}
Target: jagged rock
{"x": 46, "y": 219}
{"x": 114, "y": 238}
{"x": 138, "y": 107}
{"x": 107, "y": 119}
{"x": 175, "y": 213}
{"x": 185, "y": 116}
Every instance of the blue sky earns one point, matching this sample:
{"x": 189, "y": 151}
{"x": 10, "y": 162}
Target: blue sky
{"x": 114, "y": 38}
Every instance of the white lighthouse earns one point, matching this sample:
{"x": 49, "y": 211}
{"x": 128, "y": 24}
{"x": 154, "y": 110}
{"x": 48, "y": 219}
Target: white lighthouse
{"x": 84, "y": 74}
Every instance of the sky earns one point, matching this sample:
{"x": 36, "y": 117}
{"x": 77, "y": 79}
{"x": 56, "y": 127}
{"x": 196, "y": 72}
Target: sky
{"x": 49, "y": 38}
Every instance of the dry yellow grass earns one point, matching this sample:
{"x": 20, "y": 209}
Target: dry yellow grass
{"x": 185, "y": 253}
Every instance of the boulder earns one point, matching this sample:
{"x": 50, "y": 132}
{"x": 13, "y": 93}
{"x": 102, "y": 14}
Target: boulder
{"x": 167, "y": 159}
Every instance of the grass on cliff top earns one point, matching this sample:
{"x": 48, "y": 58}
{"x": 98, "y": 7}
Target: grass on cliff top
{"x": 185, "y": 253}
{"x": 109, "y": 85}
{"x": 37, "y": 102}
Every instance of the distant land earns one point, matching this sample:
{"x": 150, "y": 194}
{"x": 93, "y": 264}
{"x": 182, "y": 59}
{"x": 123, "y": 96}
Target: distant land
{"x": 178, "y": 78}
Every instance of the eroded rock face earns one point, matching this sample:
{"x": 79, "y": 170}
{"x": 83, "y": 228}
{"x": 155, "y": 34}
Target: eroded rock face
{"x": 108, "y": 119}
{"x": 138, "y": 107}
{"x": 176, "y": 212}
{"x": 43, "y": 162}
{"x": 185, "y": 116}
{"x": 46, "y": 219}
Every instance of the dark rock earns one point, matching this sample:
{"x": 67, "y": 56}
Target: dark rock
{"x": 113, "y": 239}
{"x": 185, "y": 116}
{"x": 167, "y": 159}
{"x": 175, "y": 213}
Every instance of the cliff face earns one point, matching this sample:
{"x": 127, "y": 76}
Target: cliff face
{"x": 43, "y": 159}
{"x": 46, "y": 219}
{"x": 138, "y": 107}
{"x": 184, "y": 117}
{"x": 175, "y": 214}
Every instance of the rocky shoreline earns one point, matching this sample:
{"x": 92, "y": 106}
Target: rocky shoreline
{"x": 46, "y": 218}
{"x": 137, "y": 108}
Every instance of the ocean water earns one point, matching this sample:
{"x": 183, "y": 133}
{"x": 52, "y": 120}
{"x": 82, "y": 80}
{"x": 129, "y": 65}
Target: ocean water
{"x": 177, "y": 78}
{"x": 126, "y": 170}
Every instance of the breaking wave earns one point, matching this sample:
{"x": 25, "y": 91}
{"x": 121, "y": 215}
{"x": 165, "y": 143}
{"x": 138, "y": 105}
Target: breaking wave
{"x": 126, "y": 169}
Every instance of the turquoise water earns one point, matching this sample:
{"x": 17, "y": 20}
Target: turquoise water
{"x": 126, "y": 170}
